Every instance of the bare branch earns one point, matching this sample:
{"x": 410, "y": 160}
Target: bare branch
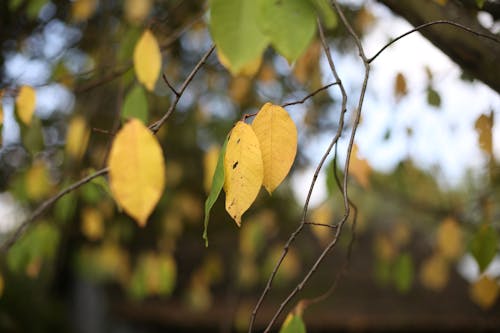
{"x": 301, "y": 101}
{"x": 176, "y": 93}
{"x": 425, "y": 25}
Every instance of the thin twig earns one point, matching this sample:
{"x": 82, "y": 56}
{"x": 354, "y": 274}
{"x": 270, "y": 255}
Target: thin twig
{"x": 297, "y": 231}
{"x": 428, "y": 24}
{"x": 49, "y": 202}
{"x": 44, "y": 206}
{"x": 165, "y": 79}
{"x": 331, "y": 226}
{"x": 157, "y": 125}
{"x": 301, "y": 101}
{"x": 330, "y": 246}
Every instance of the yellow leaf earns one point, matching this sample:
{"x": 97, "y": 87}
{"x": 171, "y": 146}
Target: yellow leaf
{"x": 38, "y": 183}
{"x": 249, "y": 69}
{"x": 441, "y": 2}
{"x": 277, "y": 137}
{"x": 308, "y": 63}
{"x": 136, "y": 170}
{"x": 77, "y": 137}
{"x": 243, "y": 170}
{"x": 450, "y": 239}
{"x": 239, "y": 88}
{"x": 484, "y": 292}
{"x": 322, "y": 214}
{"x": 137, "y": 10}
{"x": 434, "y": 273}
{"x": 359, "y": 168}
{"x": 484, "y": 125}
{"x": 384, "y": 248}
{"x": 92, "y": 223}
{"x": 82, "y": 10}
{"x": 209, "y": 164}
{"x": 400, "y": 88}
{"x": 147, "y": 60}
{"x": 25, "y": 104}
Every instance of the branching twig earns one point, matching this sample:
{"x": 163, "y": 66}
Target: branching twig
{"x": 309, "y": 194}
{"x": 301, "y": 101}
{"x": 428, "y": 24}
{"x": 49, "y": 202}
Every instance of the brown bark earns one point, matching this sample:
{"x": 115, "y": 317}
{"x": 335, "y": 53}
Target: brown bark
{"x": 479, "y": 57}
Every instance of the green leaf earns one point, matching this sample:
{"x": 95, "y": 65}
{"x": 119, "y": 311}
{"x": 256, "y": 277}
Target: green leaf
{"x": 136, "y": 105}
{"x": 326, "y": 12}
{"x": 234, "y": 28}
{"x": 403, "y": 272}
{"x": 484, "y": 246}
{"x": 480, "y": 3}
{"x": 290, "y": 24}
{"x": 433, "y": 97}
{"x": 293, "y": 324}
{"x": 217, "y": 184}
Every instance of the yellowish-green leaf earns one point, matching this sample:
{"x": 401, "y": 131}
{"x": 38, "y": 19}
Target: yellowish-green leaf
{"x": 137, "y": 10}
{"x": 209, "y": 164}
{"x": 293, "y": 324}
{"x": 484, "y": 126}
{"x": 136, "y": 170}
{"x": 248, "y": 69}
{"x": 484, "y": 292}
{"x": 77, "y": 138}
{"x": 277, "y": 137}
{"x": 434, "y": 273}
{"x": 359, "y": 168}
{"x": 38, "y": 184}
{"x": 243, "y": 170}
{"x": 82, "y": 10}
{"x": 25, "y": 104}
{"x": 92, "y": 223}
{"x": 147, "y": 60}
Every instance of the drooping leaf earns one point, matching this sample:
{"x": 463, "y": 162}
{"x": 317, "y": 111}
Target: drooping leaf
{"x": 147, "y": 60}
{"x": 484, "y": 292}
{"x": 136, "y": 105}
{"x": 400, "y": 88}
{"x": 82, "y": 10}
{"x": 217, "y": 184}
{"x": 434, "y": 273}
{"x": 210, "y": 161}
{"x": 290, "y": 25}
{"x": 137, "y": 10}
{"x": 243, "y": 170}
{"x": 484, "y": 246}
{"x": 293, "y": 324}
{"x": 77, "y": 138}
{"x": 247, "y": 70}
{"x": 433, "y": 97}
{"x": 403, "y": 272}
{"x": 277, "y": 137}
{"x": 484, "y": 126}
{"x": 234, "y": 28}
{"x": 450, "y": 239}
{"x": 359, "y": 168}
{"x": 136, "y": 170}
{"x": 25, "y": 104}
{"x": 326, "y": 12}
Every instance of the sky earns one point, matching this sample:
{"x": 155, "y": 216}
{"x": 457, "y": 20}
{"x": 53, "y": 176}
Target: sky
{"x": 444, "y": 140}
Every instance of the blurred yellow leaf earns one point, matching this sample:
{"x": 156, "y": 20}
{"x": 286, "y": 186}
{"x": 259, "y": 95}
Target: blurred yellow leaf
{"x": 147, "y": 60}
{"x": 249, "y": 69}
{"x": 77, "y": 138}
{"x": 2, "y": 285}
{"x": 400, "y": 88}
{"x": 267, "y": 73}
{"x": 441, "y": 2}
{"x": 92, "y": 223}
{"x": 308, "y": 63}
{"x": 277, "y": 137}
{"x": 434, "y": 273}
{"x": 243, "y": 170}
{"x": 384, "y": 248}
{"x": 189, "y": 205}
{"x": 136, "y": 170}
{"x": 209, "y": 164}
{"x": 364, "y": 19}
{"x": 239, "y": 88}
{"x": 38, "y": 184}
{"x": 450, "y": 239}
{"x": 484, "y": 125}
{"x": 484, "y": 292}
{"x": 401, "y": 234}
{"x": 25, "y": 104}
{"x": 137, "y": 10}
{"x": 322, "y": 214}
{"x": 289, "y": 268}
{"x": 82, "y": 10}
{"x": 359, "y": 168}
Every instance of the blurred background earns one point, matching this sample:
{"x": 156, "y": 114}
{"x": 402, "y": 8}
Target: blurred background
{"x": 425, "y": 175}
